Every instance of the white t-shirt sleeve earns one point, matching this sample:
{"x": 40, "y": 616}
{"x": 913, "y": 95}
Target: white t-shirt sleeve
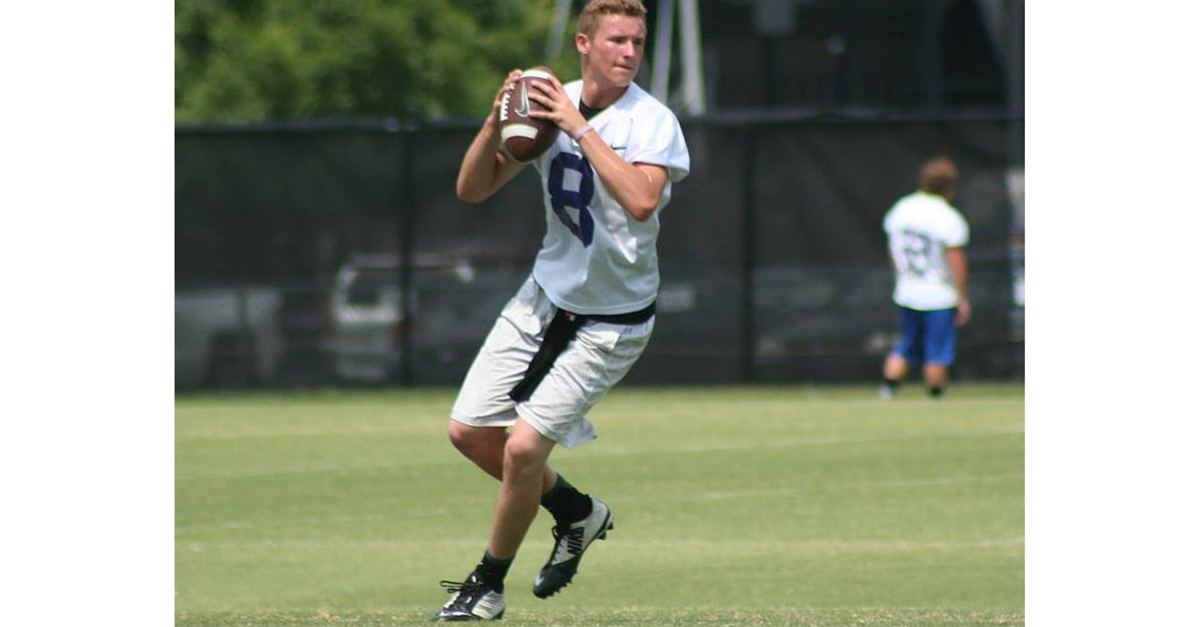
{"x": 658, "y": 139}
{"x": 957, "y": 233}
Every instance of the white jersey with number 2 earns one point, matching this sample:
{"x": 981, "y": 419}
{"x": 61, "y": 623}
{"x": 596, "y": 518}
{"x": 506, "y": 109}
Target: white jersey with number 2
{"x": 920, "y": 227}
{"x": 596, "y": 258}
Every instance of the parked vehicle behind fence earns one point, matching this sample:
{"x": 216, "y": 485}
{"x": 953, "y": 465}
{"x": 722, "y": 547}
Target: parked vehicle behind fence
{"x": 455, "y": 300}
{"x": 226, "y": 336}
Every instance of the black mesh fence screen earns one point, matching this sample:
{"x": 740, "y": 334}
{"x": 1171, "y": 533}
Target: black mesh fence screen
{"x": 339, "y": 254}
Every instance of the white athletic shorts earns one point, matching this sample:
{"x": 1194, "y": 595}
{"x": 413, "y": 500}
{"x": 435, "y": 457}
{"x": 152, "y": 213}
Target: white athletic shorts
{"x": 595, "y": 360}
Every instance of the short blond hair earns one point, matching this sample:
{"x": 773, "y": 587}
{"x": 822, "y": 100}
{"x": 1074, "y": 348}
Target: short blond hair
{"x": 589, "y": 19}
{"x": 938, "y": 176}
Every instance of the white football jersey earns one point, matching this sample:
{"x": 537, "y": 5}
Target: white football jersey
{"x": 920, "y": 227}
{"x": 596, "y": 258}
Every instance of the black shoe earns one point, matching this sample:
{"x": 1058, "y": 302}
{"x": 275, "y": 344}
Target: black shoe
{"x": 473, "y": 600}
{"x": 569, "y": 544}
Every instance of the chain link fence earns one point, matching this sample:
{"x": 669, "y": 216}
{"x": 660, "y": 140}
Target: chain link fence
{"x": 317, "y": 254}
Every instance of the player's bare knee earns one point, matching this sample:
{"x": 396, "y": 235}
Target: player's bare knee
{"x": 465, "y": 438}
{"x": 522, "y": 457}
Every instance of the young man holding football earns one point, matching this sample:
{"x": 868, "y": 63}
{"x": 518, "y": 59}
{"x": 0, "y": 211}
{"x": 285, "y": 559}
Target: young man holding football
{"x": 577, "y": 326}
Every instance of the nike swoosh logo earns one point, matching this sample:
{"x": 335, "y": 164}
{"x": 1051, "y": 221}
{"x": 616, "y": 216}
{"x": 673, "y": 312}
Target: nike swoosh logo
{"x": 523, "y": 108}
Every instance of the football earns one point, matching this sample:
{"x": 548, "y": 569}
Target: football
{"x": 521, "y": 137}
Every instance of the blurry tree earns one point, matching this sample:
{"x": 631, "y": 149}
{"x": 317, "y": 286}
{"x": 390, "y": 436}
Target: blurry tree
{"x": 242, "y": 60}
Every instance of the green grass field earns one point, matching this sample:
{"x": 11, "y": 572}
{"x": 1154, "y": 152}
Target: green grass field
{"x": 733, "y": 506}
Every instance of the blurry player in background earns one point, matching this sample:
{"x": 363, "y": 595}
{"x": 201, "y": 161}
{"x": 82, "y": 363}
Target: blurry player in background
{"x": 583, "y": 318}
{"x": 927, "y": 238}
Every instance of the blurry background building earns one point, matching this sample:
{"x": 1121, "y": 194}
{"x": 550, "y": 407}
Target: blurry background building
{"x": 319, "y": 240}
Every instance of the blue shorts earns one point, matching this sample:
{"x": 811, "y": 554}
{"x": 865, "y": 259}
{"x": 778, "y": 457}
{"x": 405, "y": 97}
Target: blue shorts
{"x": 927, "y": 337}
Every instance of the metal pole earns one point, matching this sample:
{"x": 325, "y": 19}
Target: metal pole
{"x": 931, "y": 54}
{"x": 662, "y": 51}
{"x": 850, "y": 88}
{"x": 693, "y": 69}
{"x": 408, "y": 220}
{"x": 749, "y": 168}
{"x": 247, "y": 375}
{"x": 555, "y": 37}
{"x": 1016, "y": 58}
{"x": 1016, "y": 144}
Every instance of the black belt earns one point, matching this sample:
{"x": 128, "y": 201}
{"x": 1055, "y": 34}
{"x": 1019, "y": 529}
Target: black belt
{"x": 559, "y": 333}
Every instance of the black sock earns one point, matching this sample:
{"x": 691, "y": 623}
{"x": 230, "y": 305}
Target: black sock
{"x": 935, "y": 392}
{"x": 891, "y": 384}
{"x": 493, "y": 570}
{"x": 567, "y": 504}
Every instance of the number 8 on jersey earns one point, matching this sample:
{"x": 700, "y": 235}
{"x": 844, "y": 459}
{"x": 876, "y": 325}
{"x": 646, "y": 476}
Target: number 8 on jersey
{"x": 561, "y": 198}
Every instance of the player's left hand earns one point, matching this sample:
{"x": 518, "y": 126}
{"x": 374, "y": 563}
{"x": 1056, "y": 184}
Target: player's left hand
{"x": 559, "y": 107}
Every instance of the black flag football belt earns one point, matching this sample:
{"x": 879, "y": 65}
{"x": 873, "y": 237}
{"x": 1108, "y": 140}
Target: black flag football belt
{"x": 559, "y": 333}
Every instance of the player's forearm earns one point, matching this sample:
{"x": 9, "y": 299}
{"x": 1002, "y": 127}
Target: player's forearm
{"x": 631, "y": 187}
{"x": 479, "y": 172}
{"x": 957, "y": 260}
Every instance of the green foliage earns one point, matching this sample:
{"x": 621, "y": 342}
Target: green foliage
{"x": 414, "y": 59}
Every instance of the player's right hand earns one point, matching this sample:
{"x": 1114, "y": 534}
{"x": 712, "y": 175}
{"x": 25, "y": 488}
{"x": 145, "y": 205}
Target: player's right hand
{"x": 507, "y": 86}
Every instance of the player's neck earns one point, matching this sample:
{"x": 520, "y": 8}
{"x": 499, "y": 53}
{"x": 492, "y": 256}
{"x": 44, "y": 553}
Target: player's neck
{"x": 598, "y": 95}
